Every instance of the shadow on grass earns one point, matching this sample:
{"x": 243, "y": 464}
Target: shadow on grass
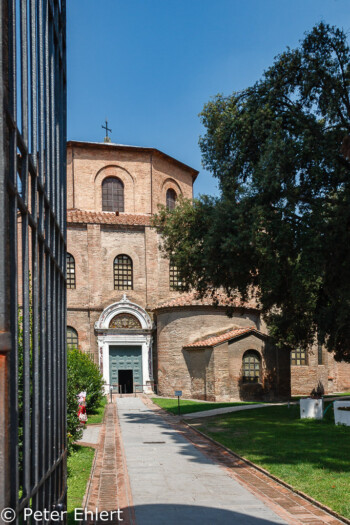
{"x": 278, "y": 435}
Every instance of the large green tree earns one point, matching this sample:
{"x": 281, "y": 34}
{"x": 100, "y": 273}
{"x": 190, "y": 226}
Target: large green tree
{"x": 281, "y": 225}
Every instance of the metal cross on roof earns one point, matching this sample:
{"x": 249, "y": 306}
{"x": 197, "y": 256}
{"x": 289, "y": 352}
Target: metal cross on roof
{"x": 107, "y": 138}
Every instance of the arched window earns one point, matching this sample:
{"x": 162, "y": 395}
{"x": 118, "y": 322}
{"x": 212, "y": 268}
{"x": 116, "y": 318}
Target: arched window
{"x": 123, "y": 273}
{"x": 112, "y": 194}
{"x": 171, "y": 199}
{"x": 72, "y": 337}
{"x": 251, "y": 367}
{"x": 70, "y": 271}
{"x": 174, "y": 279}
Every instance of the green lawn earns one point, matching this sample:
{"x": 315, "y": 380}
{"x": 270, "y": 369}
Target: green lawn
{"x": 187, "y": 407}
{"x": 79, "y": 467}
{"x": 97, "y": 416}
{"x": 312, "y": 456}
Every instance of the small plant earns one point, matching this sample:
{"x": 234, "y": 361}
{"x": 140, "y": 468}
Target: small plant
{"x": 318, "y": 392}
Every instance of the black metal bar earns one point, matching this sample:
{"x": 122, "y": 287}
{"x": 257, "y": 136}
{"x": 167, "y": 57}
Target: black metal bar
{"x": 32, "y": 256}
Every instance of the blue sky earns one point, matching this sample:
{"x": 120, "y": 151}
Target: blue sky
{"x": 151, "y": 65}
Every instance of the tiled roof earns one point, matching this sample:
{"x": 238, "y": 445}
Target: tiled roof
{"x": 214, "y": 340}
{"x": 106, "y": 217}
{"x": 192, "y": 299}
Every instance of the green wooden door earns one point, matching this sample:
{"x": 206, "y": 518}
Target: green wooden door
{"x": 125, "y": 358}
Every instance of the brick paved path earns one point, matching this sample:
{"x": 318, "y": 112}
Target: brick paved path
{"x": 110, "y": 488}
{"x": 186, "y": 479}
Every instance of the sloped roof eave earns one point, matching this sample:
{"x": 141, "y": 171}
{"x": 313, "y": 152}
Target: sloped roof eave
{"x": 213, "y": 341}
{"x": 76, "y": 216}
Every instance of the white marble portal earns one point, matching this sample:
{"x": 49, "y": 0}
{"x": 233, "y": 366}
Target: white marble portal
{"x": 107, "y": 337}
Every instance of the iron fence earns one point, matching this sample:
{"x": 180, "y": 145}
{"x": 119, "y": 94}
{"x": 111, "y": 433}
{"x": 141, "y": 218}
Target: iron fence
{"x": 32, "y": 255}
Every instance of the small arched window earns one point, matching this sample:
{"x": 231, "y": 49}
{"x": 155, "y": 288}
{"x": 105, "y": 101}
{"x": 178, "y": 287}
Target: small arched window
{"x": 72, "y": 338}
{"x": 251, "y": 367}
{"x": 70, "y": 271}
{"x": 171, "y": 199}
{"x": 123, "y": 273}
{"x": 112, "y": 194}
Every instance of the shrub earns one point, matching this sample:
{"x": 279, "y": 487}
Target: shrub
{"x": 82, "y": 375}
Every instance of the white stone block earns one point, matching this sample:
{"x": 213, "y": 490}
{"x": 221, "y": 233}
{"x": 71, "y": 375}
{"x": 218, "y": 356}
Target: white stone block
{"x": 342, "y": 417}
{"x": 311, "y": 408}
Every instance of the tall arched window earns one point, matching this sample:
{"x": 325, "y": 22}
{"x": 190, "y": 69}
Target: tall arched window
{"x": 72, "y": 337}
{"x": 112, "y": 194}
{"x": 123, "y": 273}
{"x": 171, "y": 199}
{"x": 70, "y": 271}
{"x": 251, "y": 367}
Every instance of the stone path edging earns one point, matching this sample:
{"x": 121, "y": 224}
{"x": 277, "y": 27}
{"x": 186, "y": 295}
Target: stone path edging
{"x": 92, "y": 471}
{"x": 311, "y": 506}
{"x": 109, "y": 487}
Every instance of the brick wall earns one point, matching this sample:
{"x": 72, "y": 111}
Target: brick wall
{"x": 181, "y": 326}
{"x": 146, "y": 177}
{"x": 216, "y": 373}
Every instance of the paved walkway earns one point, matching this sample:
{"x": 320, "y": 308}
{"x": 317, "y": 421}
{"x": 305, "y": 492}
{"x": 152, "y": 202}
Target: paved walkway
{"x": 226, "y": 410}
{"x": 91, "y": 435}
{"x": 159, "y": 471}
{"x": 173, "y": 483}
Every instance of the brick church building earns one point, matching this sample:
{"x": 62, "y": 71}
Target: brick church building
{"x": 124, "y": 307}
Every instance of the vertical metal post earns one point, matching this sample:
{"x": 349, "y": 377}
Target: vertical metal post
{"x": 33, "y": 443}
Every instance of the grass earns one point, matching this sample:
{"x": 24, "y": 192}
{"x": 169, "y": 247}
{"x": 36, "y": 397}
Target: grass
{"x": 79, "y": 467}
{"x": 187, "y": 407}
{"x": 312, "y": 456}
{"x": 97, "y": 417}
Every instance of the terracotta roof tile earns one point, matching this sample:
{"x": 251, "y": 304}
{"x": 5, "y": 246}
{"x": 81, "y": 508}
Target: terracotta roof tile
{"x": 218, "y": 339}
{"x": 192, "y": 299}
{"x": 106, "y": 217}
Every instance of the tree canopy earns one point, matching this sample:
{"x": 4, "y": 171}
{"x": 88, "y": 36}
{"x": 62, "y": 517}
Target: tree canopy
{"x": 281, "y": 225}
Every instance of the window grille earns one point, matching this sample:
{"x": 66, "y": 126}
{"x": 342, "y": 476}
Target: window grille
{"x": 70, "y": 271}
{"x": 112, "y": 194}
{"x": 174, "y": 278}
{"x": 171, "y": 199}
{"x": 298, "y": 357}
{"x": 320, "y": 354}
{"x": 123, "y": 273}
{"x": 33, "y": 443}
{"x": 251, "y": 367}
{"x": 125, "y": 321}
{"x": 72, "y": 338}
